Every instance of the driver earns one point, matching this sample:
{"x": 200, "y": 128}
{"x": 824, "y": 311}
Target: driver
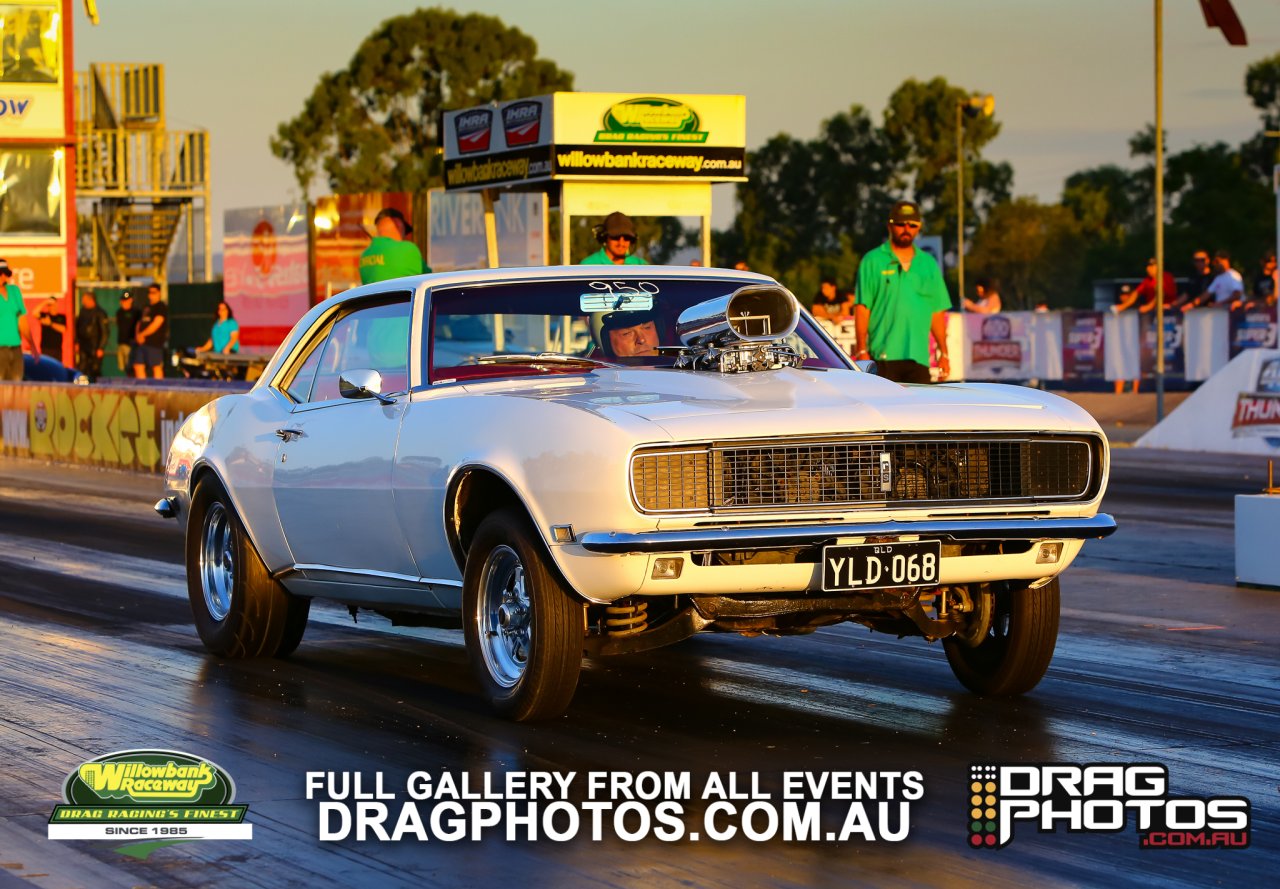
{"x": 629, "y": 334}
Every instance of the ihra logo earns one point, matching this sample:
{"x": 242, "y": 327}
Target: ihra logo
{"x": 651, "y": 120}
{"x": 522, "y": 123}
{"x": 1099, "y": 798}
{"x": 157, "y": 795}
{"x": 473, "y": 128}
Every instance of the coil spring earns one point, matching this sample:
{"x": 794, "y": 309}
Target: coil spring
{"x": 626, "y": 617}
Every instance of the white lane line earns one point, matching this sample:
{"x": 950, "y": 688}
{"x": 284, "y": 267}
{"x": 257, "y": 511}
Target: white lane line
{"x": 95, "y": 504}
{"x": 1135, "y": 620}
{"x": 169, "y": 580}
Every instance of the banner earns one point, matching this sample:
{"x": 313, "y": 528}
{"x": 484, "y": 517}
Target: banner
{"x": 457, "y": 239}
{"x": 119, "y": 427}
{"x": 1253, "y": 329}
{"x": 344, "y": 228}
{"x": 999, "y": 346}
{"x": 1083, "y": 346}
{"x": 265, "y": 274}
{"x": 1174, "y": 355}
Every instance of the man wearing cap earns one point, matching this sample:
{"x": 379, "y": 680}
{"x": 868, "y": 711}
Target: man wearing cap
{"x": 617, "y": 236}
{"x": 14, "y": 329}
{"x": 126, "y": 328}
{"x": 901, "y": 299}
{"x": 625, "y": 334}
{"x": 389, "y": 255}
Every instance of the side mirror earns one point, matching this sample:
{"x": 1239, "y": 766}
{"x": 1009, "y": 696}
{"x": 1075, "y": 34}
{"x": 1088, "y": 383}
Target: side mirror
{"x": 362, "y": 383}
{"x": 866, "y": 365}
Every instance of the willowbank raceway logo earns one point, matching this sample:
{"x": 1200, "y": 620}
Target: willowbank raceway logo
{"x": 157, "y": 797}
{"x": 1099, "y": 798}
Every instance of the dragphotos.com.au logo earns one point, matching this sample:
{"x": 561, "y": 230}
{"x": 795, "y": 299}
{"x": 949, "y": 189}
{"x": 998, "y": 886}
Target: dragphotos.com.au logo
{"x": 1099, "y": 798}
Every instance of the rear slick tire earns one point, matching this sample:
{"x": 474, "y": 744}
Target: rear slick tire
{"x": 523, "y": 627}
{"x": 240, "y": 610}
{"x": 1014, "y": 655}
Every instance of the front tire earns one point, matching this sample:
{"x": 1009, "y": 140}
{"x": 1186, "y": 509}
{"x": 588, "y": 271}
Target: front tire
{"x": 1014, "y": 654}
{"x": 240, "y": 610}
{"x": 524, "y": 629}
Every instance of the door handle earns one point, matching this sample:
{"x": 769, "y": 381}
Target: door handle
{"x": 289, "y": 434}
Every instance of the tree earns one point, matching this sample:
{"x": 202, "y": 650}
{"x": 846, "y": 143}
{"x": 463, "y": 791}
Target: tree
{"x": 1034, "y": 250}
{"x": 375, "y": 125}
{"x": 920, "y": 128}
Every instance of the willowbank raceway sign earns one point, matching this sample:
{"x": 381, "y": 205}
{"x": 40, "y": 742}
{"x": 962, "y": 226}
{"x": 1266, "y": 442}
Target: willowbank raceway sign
{"x": 596, "y": 136}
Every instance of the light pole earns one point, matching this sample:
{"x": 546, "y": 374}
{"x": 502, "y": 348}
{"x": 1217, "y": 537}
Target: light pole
{"x": 971, "y": 106}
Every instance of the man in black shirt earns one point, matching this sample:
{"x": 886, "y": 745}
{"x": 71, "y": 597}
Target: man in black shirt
{"x": 153, "y": 333}
{"x": 126, "y": 331}
{"x": 53, "y": 324}
{"x": 91, "y": 337}
{"x": 1202, "y": 275}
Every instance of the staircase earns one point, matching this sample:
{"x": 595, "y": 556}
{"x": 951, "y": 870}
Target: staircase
{"x": 143, "y": 180}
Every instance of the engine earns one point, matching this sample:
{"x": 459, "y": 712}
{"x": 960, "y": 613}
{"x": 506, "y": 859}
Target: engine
{"x": 742, "y": 331}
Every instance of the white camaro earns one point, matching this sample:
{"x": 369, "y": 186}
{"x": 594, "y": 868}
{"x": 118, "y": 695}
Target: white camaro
{"x": 597, "y": 460}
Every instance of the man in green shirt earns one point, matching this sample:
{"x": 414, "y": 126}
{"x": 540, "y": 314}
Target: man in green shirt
{"x": 901, "y": 300}
{"x": 618, "y": 235}
{"x": 389, "y": 255}
{"x": 14, "y": 329}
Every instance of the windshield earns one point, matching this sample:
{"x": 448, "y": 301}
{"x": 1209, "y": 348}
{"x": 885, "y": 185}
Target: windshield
{"x": 571, "y": 326}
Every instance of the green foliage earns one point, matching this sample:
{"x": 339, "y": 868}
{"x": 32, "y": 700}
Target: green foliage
{"x": 375, "y": 125}
{"x": 1033, "y": 250}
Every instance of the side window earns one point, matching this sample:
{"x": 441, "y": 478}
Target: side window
{"x": 374, "y": 337}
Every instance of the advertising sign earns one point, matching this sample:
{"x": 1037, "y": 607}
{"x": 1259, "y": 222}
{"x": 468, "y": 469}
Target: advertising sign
{"x": 1252, "y": 329}
{"x": 457, "y": 239}
{"x": 1082, "y": 346}
{"x": 999, "y": 346}
{"x": 265, "y": 280}
{"x": 596, "y": 135}
{"x": 1258, "y": 412}
{"x": 1174, "y": 354}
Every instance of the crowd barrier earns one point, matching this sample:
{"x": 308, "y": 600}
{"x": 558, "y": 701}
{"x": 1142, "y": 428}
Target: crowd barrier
{"x": 1092, "y": 347}
{"x": 125, "y": 427}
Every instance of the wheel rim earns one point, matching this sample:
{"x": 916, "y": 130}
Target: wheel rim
{"x": 217, "y": 562}
{"x": 504, "y": 616}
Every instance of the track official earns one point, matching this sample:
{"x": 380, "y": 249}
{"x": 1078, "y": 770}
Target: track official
{"x": 617, "y": 236}
{"x": 389, "y": 255}
{"x": 901, "y": 299}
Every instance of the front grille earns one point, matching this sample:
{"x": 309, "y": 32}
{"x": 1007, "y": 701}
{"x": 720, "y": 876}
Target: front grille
{"x": 855, "y": 472}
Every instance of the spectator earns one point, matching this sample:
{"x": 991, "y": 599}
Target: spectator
{"x": 53, "y": 325}
{"x": 225, "y": 336}
{"x": 1264, "y": 285}
{"x": 988, "y": 301}
{"x": 92, "y": 331}
{"x": 153, "y": 333}
{"x": 14, "y": 329}
{"x": 830, "y": 304}
{"x": 1198, "y": 282}
{"x": 1124, "y": 299}
{"x": 126, "y": 332}
{"x": 1227, "y": 288}
{"x": 740, "y": 266}
{"x": 389, "y": 255}
{"x": 616, "y": 236}
{"x": 901, "y": 299}
{"x": 1145, "y": 294}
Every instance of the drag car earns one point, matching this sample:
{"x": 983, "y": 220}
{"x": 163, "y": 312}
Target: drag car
{"x": 570, "y": 462}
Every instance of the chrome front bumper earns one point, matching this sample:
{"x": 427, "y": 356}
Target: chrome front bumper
{"x": 806, "y": 535}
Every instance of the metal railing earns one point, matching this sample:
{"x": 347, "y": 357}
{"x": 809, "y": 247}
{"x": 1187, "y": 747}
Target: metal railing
{"x": 141, "y": 162}
{"x": 120, "y": 94}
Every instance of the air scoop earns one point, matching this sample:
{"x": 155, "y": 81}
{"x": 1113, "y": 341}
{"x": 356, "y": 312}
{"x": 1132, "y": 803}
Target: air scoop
{"x": 741, "y": 331}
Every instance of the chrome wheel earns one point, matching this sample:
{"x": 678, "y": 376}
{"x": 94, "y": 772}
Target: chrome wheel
{"x": 217, "y": 562}
{"x": 503, "y": 615}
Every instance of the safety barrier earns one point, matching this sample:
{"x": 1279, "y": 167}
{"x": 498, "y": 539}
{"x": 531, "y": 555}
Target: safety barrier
{"x": 114, "y": 426}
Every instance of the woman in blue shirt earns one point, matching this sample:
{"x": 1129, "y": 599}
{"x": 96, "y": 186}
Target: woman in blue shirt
{"x": 225, "y": 337}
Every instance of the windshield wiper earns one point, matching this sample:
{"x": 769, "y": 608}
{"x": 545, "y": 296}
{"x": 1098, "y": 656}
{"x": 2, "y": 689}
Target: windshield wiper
{"x": 545, "y": 358}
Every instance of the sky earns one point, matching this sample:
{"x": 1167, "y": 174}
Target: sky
{"x": 1072, "y": 79}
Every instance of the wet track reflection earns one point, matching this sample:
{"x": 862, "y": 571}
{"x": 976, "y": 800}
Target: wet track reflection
{"x": 98, "y": 655}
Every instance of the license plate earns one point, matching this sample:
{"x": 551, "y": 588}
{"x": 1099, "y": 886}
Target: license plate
{"x": 877, "y": 566}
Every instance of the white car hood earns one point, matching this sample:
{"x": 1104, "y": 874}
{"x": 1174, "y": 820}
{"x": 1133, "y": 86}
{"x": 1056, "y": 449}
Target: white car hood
{"x": 696, "y": 405}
